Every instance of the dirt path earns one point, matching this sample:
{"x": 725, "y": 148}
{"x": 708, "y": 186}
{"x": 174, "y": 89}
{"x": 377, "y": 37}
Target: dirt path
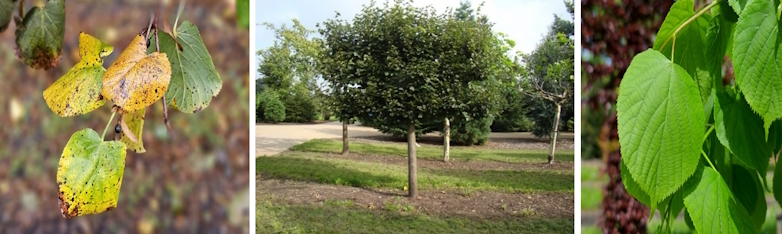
{"x": 273, "y": 139}
{"x": 441, "y": 203}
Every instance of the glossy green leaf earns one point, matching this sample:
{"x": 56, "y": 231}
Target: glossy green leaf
{"x": 39, "y": 37}
{"x": 89, "y": 174}
{"x": 690, "y": 51}
{"x": 79, "y": 90}
{"x": 6, "y": 13}
{"x": 756, "y": 64}
{"x": 194, "y": 80}
{"x": 660, "y": 121}
{"x": 712, "y": 207}
{"x": 738, "y": 5}
{"x": 741, "y": 131}
{"x": 749, "y": 193}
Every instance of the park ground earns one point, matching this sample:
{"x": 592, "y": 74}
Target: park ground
{"x": 304, "y": 184}
{"x": 593, "y": 180}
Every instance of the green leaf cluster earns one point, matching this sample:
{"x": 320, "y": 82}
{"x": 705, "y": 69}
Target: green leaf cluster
{"x": 691, "y": 142}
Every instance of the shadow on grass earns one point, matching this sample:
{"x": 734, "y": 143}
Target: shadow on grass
{"x": 305, "y": 169}
{"x": 275, "y": 216}
{"x": 520, "y": 181}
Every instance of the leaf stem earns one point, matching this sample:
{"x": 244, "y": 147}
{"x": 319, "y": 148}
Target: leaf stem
{"x": 673, "y": 36}
{"x": 707, "y": 134}
{"x": 708, "y": 160}
{"x": 107, "y": 125}
{"x": 178, "y": 13}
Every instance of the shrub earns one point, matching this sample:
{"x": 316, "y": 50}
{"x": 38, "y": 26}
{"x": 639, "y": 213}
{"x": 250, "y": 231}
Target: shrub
{"x": 512, "y": 115}
{"x": 274, "y": 110}
{"x": 471, "y": 132}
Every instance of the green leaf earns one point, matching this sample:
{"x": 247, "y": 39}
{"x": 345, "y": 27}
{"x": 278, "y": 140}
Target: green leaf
{"x": 632, "y": 187}
{"x": 726, "y": 11}
{"x": 741, "y": 131}
{"x": 6, "y": 13}
{"x": 39, "y": 37}
{"x": 79, "y": 91}
{"x": 90, "y": 174}
{"x": 737, "y": 5}
{"x": 718, "y": 39}
{"x": 690, "y": 51}
{"x": 660, "y": 121}
{"x": 749, "y": 193}
{"x": 756, "y": 64}
{"x": 712, "y": 207}
{"x": 243, "y": 13}
{"x": 777, "y": 184}
{"x": 194, "y": 80}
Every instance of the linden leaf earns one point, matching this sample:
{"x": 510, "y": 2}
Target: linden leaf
{"x": 89, "y": 174}
{"x": 756, "y": 60}
{"x": 78, "y": 91}
{"x": 741, "y": 131}
{"x": 136, "y": 80}
{"x": 6, "y": 13}
{"x": 712, "y": 207}
{"x": 194, "y": 80}
{"x": 39, "y": 37}
{"x": 132, "y": 126}
{"x": 660, "y": 121}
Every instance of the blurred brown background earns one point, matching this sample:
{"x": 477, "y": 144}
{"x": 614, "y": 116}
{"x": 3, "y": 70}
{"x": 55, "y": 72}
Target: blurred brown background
{"x": 197, "y": 181}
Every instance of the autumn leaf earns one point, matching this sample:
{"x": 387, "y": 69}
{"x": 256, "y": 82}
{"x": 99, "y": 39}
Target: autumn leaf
{"x": 89, "y": 175}
{"x": 78, "y": 91}
{"x": 136, "y": 80}
{"x": 39, "y": 37}
{"x": 132, "y": 125}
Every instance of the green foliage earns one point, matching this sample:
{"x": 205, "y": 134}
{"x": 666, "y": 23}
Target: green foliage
{"x": 472, "y": 131}
{"x": 513, "y": 113}
{"x": 39, "y": 36}
{"x": 669, "y": 96}
{"x": 243, "y": 13}
{"x": 274, "y": 110}
{"x": 381, "y": 65}
{"x": 194, "y": 79}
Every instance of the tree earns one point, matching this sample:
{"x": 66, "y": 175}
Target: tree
{"x": 550, "y": 72}
{"x": 290, "y": 68}
{"x": 402, "y": 64}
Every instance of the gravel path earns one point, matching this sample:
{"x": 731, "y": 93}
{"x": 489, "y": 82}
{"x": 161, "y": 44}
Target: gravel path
{"x": 273, "y": 139}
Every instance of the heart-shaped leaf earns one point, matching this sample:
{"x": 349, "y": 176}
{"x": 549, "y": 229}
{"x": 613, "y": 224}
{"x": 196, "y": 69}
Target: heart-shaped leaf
{"x": 134, "y": 122}
{"x": 78, "y": 91}
{"x": 136, "y": 80}
{"x": 660, "y": 121}
{"x": 39, "y": 37}
{"x": 741, "y": 131}
{"x": 194, "y": 80}
{"x": 90, "y": 174}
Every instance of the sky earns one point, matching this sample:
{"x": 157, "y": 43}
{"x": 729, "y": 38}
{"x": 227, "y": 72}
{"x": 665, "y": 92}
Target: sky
{"x": 524, "y": 21}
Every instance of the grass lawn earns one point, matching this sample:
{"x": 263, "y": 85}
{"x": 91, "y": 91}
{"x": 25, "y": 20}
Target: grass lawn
{"x": 316, "y": 167}
{"x": 434, "y": 152}
{"x": 275, "y": 216}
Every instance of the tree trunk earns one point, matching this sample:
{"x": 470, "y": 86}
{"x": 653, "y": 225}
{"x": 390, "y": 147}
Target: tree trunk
{"x": 447, "y": 140}
{"x": 345, "y": 146}
{"x": 554, "y": 137}
{"x": 412, "y": 178}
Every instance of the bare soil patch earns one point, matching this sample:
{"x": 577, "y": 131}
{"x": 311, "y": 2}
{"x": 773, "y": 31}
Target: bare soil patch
{"x": 484, "y": 205}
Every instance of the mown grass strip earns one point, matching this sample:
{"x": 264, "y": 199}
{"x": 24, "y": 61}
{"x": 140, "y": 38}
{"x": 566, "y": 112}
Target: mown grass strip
{"x": 434, "y": 152}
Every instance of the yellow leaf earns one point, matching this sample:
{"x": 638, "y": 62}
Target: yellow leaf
{"x": 136, "y": 80}
{"x": 79, "y": 91}
{"x": 132, "y": 126}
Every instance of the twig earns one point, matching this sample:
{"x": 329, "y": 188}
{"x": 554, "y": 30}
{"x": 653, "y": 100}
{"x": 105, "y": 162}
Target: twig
{"x": 21, "y": 9}
{"x": 157, "y": 47}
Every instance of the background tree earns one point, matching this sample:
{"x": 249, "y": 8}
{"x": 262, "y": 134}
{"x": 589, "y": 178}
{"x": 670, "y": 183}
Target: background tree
{"x": 550, "y": 73}
{"x": 402, "y": 64}
{"x": 289, "y": 69}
